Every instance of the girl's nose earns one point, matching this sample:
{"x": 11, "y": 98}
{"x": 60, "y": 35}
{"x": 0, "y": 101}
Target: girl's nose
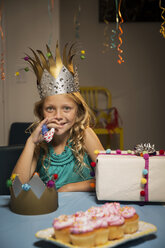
{"x": 58, "y": 118}
{"x": 58, "y": 115}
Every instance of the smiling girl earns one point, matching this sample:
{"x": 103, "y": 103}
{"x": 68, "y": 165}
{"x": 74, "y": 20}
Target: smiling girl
{"x": 72, "y": 148}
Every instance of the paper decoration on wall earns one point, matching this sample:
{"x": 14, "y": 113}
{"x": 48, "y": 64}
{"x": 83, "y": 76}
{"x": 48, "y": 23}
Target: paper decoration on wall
{"x": 120, "y": 60}
{"x": 106, "y": 37}
{"x": 162, "y": 29}
{"x": 26, "y": 58}
{"x": 77, "y": 21}
{"x": 106, "y": 42}
{"x": 114, "y": 31}
{"x": 117, "y": 31}
{"x": 50, "y": 11}
{"x": 2, "y": 70}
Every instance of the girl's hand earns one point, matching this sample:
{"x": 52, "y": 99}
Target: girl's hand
{"x": 36, "y": 136}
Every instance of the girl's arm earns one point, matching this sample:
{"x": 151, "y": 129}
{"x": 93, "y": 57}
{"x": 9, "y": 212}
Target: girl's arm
{"x": 78, "y": 186}
{"x": 27, "y": 162}
{"x": 92, "y": 143}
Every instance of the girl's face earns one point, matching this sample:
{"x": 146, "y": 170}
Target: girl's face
{"x": 61, "y": 112}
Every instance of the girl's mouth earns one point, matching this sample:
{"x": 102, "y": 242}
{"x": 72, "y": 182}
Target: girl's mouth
{"x": 61, "y": 125}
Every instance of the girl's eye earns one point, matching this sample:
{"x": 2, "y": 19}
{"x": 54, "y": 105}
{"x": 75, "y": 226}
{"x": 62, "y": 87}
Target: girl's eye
{"x": 67, "y": 108}
{"x": 49, "y": 108}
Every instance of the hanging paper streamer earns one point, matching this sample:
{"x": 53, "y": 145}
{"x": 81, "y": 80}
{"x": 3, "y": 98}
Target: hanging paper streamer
{"x": 106, "y": 37}
{"x": 120, "y": 60}
{"x": 162, "y": 29}
{"x": 50, "y": 11}
{"x": 2, "y": 70}
{"x": 114, "y": 31}
{"x": 77, "y": 22}
{"x": 78, "y": 45}
{"x": 106, "y": 43}
{"x": 113, "y": 44}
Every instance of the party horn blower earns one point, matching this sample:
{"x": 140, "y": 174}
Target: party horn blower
{"x": 47, "y": 134}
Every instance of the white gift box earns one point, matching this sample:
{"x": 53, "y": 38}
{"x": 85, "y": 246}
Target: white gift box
{"x": 118, "y": 177}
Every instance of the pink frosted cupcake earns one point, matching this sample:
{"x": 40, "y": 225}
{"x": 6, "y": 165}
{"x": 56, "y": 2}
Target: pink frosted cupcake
{"x": 131, "y": 219}
{"x": 82, "y": 234}
{"x": 111, "y": 208}
{"x": 80, "y": 215}
{"x": 116, "y": 225}
{"x": 101, "y": 230}
{"x": 95, "y": 212}
{"x": 62, "y": 226}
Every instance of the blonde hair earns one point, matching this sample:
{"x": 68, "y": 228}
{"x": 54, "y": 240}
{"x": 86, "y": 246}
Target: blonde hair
{"x": 84, "y": 118}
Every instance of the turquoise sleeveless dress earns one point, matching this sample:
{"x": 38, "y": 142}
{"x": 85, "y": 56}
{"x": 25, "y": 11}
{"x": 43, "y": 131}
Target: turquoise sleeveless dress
{"x": 64, "y": 165}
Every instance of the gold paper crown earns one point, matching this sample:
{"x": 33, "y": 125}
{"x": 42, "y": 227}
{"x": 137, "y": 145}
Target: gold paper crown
{"x": 39, "y": 199}
{"x": 55, "y": 76}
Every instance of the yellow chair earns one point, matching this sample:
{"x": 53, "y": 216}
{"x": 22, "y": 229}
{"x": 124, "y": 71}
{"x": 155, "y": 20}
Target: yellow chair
{"x": 99, "y": 100}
